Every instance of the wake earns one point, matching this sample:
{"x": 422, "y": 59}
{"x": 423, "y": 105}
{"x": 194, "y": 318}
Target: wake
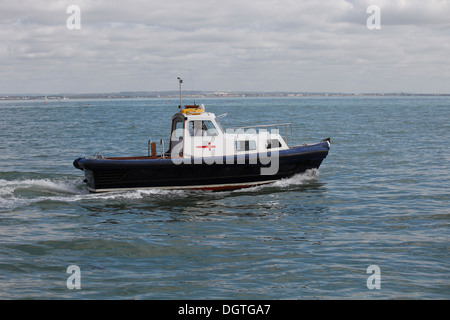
{"x": 20, "y": 193}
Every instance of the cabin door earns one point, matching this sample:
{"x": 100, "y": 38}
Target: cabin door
{"x": 176, "y": 137}
{"x": 202, "y": 134}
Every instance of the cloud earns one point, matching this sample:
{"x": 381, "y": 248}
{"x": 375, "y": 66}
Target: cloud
{"x": 268, "y": 45}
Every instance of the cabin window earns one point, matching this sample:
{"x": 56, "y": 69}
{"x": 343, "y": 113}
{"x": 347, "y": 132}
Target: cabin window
{"x": 273, "y": 143}
{"x": 245, "y": 145}
{"x": 198, "y": 128}
{"x": 178, "y": 132}
{"x": 176, "y": 137}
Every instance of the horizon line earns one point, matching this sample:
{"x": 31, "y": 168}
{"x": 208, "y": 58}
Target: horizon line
{"x": 212, "y": 93}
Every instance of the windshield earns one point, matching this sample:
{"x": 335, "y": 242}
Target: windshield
{"x": 219, "y": 126}
{"x": 202, "y": 128}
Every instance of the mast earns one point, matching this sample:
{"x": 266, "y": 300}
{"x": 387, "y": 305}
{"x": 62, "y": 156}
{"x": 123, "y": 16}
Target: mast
{"x": 180, "y": 82}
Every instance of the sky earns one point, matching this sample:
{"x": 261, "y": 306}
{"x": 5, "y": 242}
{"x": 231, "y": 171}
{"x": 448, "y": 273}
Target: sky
{"x": 224, "y": 45}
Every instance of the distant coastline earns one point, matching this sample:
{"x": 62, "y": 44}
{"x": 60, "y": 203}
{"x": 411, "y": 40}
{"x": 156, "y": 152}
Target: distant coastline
{"x": 200, "y": 94}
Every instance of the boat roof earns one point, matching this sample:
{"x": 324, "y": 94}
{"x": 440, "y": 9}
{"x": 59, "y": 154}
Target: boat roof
{"x": 195, "y": 111}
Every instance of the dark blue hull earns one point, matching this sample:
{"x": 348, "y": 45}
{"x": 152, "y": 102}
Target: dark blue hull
{"x": 113, "y": 174}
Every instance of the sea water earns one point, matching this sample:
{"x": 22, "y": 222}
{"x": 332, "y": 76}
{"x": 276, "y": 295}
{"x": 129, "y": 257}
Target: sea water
{"x": 380, "y": 198}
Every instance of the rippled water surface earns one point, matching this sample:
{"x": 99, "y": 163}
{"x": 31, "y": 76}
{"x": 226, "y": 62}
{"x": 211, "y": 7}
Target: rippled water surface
{"x": 381, "y": 197}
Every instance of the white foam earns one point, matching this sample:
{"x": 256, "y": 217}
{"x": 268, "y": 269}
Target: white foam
{"x": 23, "y": 192}
{"x": 135, "y": 194}
{"x": 61, "y": 185}
{"x": 297, "y": 180}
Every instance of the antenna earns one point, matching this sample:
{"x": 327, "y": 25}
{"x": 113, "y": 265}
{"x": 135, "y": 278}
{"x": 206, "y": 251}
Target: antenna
{"x": 180, "y": 81}
{"x": 192, "y": 81}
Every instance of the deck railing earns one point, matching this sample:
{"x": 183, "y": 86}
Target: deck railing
{"x": 161, "y": 143}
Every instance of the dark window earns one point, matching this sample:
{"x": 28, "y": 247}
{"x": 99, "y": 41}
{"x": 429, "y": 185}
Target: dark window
{"x": 273, "y": 143}
{"x": 245, "y": 145}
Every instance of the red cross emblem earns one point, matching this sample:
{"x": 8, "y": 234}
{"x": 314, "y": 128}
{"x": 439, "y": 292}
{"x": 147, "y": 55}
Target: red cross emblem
{"x": 209, "y": 146}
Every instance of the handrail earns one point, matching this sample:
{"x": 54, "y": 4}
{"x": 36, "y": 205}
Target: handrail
{"x": 267, "y": 125}
{"x": 161, "y": 142}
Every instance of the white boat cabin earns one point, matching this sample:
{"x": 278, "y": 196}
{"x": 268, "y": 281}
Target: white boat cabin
{"x": 197, "y": 133}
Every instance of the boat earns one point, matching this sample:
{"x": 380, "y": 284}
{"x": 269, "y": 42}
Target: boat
{"x": 202, "y": 155}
